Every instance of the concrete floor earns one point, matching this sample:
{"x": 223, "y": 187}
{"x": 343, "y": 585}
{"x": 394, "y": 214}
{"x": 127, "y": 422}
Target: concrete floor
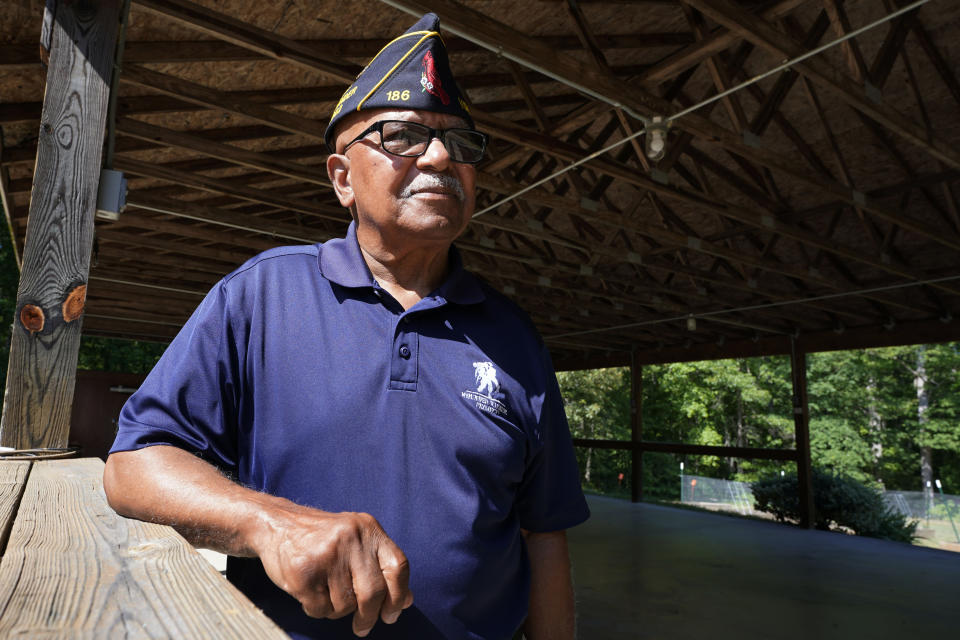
{"x": 646, "y": 571}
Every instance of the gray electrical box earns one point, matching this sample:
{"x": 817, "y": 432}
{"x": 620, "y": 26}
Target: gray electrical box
{"x": 112, "y": 196}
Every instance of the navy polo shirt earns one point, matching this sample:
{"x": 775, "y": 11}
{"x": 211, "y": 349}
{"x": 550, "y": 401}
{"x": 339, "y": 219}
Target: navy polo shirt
{"x": 301, "y": 377}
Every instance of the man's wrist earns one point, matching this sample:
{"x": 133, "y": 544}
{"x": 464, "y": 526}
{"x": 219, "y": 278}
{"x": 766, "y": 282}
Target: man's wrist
{"x": 263, "y": 518}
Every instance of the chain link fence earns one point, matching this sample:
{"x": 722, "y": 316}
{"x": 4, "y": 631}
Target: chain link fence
{"x": 938, "y": 514}
{"x": 717, "y": 495}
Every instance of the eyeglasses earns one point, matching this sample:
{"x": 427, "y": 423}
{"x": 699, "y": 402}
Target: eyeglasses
{"x": 411, "y": 139}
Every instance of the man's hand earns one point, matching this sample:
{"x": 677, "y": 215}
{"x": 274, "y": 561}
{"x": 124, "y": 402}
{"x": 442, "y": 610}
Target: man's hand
{"x": 335, "y": 564}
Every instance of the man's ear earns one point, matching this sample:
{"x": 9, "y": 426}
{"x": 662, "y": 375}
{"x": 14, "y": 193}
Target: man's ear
{"x": 338, "y": 170}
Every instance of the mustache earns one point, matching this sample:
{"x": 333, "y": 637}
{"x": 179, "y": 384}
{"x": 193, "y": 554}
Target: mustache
{"x": 425, "y": 181}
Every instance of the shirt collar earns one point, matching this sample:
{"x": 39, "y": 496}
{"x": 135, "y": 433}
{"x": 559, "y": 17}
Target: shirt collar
{"x": 341, "y": 261}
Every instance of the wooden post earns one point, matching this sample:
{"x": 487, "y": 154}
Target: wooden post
{"x": 80, "y": 37}
{"x": 636, "y": 430}
{"x": 801, "y": 421}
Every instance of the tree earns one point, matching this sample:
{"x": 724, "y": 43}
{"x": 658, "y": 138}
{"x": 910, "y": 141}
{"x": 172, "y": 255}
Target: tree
{"x": 597, "y": 404}
{"x": 866, "y": 420}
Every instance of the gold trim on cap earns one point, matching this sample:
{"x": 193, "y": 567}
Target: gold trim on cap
{"x": 425, "y": 35}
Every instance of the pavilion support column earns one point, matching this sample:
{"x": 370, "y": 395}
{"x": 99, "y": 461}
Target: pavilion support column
{"x": 80, "y": 37}
{"x": 636, "y": 429}
{"x": 801, "y": 420}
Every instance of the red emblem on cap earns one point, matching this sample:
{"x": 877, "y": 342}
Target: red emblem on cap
{"x": 430, "y": 81}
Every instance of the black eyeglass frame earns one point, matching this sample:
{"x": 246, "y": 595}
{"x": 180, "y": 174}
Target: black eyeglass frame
{"x": 439, "y": 134}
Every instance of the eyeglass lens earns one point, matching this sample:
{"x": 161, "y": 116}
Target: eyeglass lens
{"x": 412, "y": 139}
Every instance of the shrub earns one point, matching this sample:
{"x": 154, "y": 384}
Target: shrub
{"x": 839, "y": 502}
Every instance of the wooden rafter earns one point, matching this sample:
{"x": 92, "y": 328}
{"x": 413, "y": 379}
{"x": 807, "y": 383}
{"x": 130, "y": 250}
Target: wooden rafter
{"x": 765, "y": 35}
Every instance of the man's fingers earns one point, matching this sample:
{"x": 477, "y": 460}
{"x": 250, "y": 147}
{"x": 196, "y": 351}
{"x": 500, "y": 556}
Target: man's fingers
{"x": 317, "y": 604}
{"x": 342, "y": 597}
{"x": 370, "y": 588}
{"x": 396, "y": 576}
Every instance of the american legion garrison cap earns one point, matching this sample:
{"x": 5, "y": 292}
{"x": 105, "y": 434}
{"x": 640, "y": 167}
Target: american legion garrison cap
{"x": 410, "y": 72}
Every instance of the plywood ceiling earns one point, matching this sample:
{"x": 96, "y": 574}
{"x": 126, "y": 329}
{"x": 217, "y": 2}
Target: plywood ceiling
{"x": 813, "y": 202}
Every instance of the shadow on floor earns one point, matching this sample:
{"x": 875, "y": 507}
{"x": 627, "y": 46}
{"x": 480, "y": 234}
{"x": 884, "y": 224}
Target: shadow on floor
{"x": 649, "y": 571}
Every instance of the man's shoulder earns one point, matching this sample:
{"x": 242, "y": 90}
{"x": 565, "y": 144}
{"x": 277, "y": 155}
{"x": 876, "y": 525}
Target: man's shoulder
{"x": 286, "y": 259}
{"x": 507, "y": 312}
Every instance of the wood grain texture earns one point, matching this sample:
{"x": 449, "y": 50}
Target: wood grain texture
{"x": 76, "y": 569}
{"x": 13, "y": 477}
{"x": 56, "y": 257}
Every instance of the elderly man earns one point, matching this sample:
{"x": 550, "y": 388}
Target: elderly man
{"x": 363, "y": 426}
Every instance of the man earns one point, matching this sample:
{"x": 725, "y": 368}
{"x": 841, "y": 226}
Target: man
{"x": 392, "y": 425}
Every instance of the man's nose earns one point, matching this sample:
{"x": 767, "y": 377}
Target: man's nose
{"x": 435, "y": 156}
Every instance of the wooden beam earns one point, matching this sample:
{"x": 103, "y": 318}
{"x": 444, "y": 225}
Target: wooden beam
{"x": 117, "y": 251}
{"x": 13, "y": 480}
{"x": 74, "y": 568}
{"x": 224, "y": 218}
{"x": 801, "y": 420}
{"x": 636, "y": 431}
{"x": 763, "y": 220}
{"x": 582, "y": 28}
{"x": 232, "y": 188}
{"x": 944, "y": 69}
{"x": 244, "y": 34}
{"x": 763, "y": 34}
{"x": 215, "y": 99}
{"x": 484, "y": 29}
{"x": 24, "y": 56}
{"x": 519, "y": 227}
{"x": 749, "y": 453}
{"x": 175, "y": 246}
{"x": 717, "y": 71}
{"x": 866, "y": 337}
{"x": 841, "y": 26}
{"x": 228, "y": 153}
{"x": 543, "y": 123}
{"x": 140, "y": 219}
{"x": 56, "y": 261}
{"x": 130, "y": 328}
{"x": 717, "y": 41}
{"x": 890, "y": 49}
{"x": 774, "y": 100}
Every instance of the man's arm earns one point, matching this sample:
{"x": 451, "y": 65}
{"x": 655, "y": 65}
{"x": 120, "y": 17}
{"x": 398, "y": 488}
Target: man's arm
{"x": 551, "y": 614}
{"x": 333, "y": 563}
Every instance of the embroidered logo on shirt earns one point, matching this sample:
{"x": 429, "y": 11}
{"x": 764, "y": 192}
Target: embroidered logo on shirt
{"x": 487, "y": 395}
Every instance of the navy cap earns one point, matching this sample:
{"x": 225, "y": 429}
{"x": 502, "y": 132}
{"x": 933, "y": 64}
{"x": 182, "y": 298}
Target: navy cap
{"x": 410, "y": 72}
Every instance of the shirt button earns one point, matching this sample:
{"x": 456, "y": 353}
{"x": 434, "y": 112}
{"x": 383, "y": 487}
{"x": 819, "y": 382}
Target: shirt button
{"x": 404, "y": 352}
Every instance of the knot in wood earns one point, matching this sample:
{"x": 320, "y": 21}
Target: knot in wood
{"x": 74, "y": 303}
{"x": 32, "y": 318}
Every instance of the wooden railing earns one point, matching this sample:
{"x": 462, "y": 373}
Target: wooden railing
{"x": 649, "y": 446}
{"x": 71, "y": 567}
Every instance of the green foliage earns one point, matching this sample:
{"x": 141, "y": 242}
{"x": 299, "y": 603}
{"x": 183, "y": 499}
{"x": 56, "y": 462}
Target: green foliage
{"x": 9, "y": 281}
{"x": 839, "y": 502}
{"x": 123, "y": 356}
{"x": 863, "y": 416}
{"x": 723, "y": 402}
{"x": 597, "y": 404}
